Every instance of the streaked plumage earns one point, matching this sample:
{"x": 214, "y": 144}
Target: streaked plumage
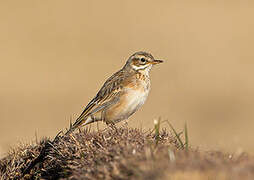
{"x": 122, "y": 94}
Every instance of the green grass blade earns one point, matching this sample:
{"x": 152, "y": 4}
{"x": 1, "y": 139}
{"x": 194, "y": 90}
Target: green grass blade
{"x": 186, "y": 137}
{"x": 157, "y": 130}
{"x": 177, "y": 135}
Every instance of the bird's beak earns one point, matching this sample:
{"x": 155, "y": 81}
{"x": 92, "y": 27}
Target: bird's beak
{"x": 156, "y": 61}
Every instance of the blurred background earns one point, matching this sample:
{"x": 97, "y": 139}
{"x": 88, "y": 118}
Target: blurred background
{"x": 56, "y": 54}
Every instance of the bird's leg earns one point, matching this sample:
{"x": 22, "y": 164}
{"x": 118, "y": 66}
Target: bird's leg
{"x": 109, "y": 123}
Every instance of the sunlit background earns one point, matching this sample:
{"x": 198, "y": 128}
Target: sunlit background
{"x": 56, "y": 54}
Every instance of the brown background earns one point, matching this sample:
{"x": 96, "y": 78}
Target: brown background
{"x": 55, "y": 55}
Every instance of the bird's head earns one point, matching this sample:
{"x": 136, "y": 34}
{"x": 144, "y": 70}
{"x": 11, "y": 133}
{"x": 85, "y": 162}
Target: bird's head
{"x": 141, "y": 61}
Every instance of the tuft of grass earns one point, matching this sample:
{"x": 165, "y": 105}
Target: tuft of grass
{"x": 184, "y": 144}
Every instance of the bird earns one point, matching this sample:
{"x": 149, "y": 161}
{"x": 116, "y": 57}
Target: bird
{"x": 122, "y": 94}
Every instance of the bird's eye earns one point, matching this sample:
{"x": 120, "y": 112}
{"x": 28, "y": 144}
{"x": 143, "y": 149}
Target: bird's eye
{"x": 143, "y": 60}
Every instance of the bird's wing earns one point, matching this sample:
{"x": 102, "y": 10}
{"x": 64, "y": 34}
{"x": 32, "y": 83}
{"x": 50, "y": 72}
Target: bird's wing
{"x": 107, "y": 95}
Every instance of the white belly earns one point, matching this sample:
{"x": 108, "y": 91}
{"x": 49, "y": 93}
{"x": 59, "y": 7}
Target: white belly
{"x": 134, "y": 100}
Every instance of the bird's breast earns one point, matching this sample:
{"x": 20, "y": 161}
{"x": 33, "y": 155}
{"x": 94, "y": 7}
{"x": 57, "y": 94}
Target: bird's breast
{"x": 136, "y": 96}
